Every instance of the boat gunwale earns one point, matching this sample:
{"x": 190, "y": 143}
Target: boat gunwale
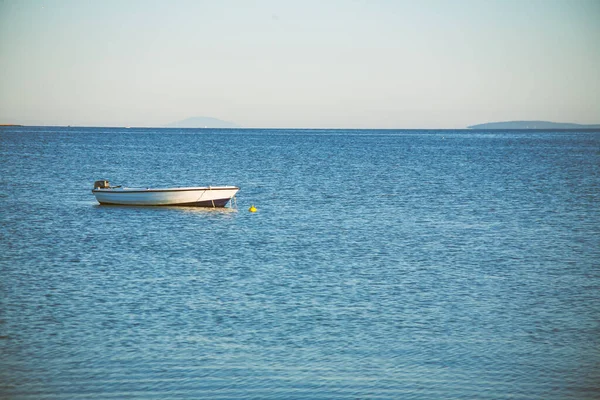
{"x": 149, "y": 190}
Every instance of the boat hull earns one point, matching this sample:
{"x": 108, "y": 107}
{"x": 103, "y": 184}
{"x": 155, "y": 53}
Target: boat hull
{"x": 187, "y": 197}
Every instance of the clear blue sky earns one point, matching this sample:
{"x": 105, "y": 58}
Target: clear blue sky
{"x": 347, "y": 64}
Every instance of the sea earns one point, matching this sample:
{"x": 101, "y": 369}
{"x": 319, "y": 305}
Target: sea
{"x": 380, "y": 264}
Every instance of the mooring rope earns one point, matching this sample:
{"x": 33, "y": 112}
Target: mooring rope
{"x": 212, "y": 199}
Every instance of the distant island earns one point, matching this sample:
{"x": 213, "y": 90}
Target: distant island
{"x": 202, "y": 122}
{"x": 532, "y": 125}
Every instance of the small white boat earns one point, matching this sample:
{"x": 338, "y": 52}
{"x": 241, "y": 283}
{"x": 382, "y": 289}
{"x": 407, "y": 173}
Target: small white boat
{"x": 209, "y": 196}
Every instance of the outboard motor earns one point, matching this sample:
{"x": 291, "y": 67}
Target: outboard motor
{"x": 101, "y": 185}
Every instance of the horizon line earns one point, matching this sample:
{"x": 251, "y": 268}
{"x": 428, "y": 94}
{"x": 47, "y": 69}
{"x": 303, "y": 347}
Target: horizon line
{"x": 582, "y": 127}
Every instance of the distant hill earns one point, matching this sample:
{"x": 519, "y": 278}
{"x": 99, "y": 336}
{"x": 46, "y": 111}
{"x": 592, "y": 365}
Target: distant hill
{"x": 532, "y": 125}
{"x": 202, "y": 122}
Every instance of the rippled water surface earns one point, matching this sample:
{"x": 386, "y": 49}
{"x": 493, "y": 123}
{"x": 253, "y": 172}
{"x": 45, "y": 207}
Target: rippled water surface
{"x": 380, "y": 265}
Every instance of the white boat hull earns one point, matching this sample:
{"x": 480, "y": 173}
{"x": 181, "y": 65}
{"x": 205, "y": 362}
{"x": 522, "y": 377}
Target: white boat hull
{"x": 217, "y": 196}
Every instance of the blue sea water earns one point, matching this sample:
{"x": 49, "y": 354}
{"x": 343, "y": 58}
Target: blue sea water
{"x": 387, "y": 264}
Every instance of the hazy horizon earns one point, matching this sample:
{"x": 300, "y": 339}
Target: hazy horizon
{"x": 482, "y": 126}
{"x": 269, "y": 64}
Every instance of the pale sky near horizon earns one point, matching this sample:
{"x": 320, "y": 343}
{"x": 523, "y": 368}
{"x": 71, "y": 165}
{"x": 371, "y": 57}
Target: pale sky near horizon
{"x": 304, "y": 64}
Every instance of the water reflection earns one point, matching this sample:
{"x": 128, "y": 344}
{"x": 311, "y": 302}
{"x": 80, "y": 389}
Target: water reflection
{"x": 188, "y": 210}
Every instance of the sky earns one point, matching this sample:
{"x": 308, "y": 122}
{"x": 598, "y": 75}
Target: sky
{"x": 299, "y": 64}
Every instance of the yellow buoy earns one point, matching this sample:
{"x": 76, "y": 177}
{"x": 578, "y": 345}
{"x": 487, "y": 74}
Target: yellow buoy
{"x": 252, "y": 208}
